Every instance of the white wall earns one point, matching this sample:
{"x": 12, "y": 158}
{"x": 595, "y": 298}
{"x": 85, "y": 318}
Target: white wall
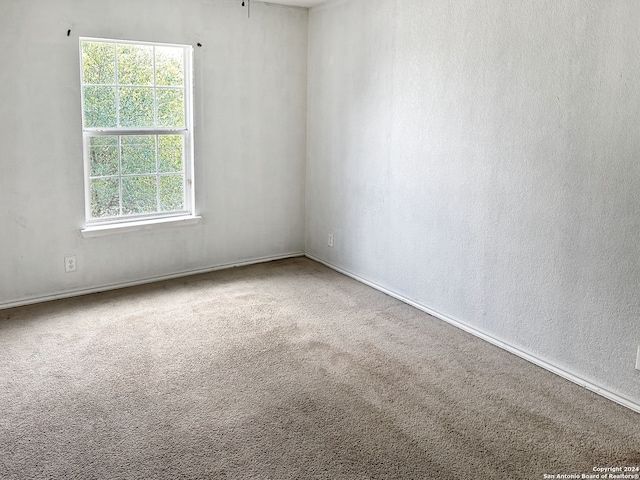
{"x": 250, "y": 114}
{"x": 482, "y": 159}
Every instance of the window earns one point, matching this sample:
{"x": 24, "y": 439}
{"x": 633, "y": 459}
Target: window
{"x": 137, "y": 134}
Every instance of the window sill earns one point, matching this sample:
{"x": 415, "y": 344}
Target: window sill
{"x": 118, "y": 228}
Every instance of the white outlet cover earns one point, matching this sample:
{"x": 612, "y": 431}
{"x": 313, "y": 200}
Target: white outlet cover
{"x": 70, "y": 263}
{"x": 638, "y": 360}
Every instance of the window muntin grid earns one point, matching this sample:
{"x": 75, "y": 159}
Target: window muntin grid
{"x": 136, "y": 114}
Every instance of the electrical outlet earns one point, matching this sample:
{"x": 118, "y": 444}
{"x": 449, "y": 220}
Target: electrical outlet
{"x": 638, "y": 360}
{"x": 330, "y": 241}
{"x": 70, "y": 264}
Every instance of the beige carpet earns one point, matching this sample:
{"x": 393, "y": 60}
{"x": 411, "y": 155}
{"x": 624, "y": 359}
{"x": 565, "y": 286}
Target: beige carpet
{"x": 285, "y": 370}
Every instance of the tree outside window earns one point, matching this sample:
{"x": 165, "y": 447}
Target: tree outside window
{"x": 136, "y": 125}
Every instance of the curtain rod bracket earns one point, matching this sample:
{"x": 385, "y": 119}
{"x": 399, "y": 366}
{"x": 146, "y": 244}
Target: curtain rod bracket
{"x": 248, "y": 2}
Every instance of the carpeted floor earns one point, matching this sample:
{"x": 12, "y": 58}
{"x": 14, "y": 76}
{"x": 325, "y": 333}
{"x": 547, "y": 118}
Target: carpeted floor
{"x": 284, "y": 370}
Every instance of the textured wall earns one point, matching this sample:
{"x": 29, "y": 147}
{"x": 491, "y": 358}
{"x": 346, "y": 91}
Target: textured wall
{"x": 481, "y": 158}
{"x": 250, "y": 138}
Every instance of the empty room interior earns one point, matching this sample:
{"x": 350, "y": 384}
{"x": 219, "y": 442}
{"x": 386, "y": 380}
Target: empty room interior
{"x": 385, "y": 239}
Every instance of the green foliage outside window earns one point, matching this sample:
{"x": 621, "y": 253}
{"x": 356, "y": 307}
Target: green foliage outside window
{"x": 128, "y": 87}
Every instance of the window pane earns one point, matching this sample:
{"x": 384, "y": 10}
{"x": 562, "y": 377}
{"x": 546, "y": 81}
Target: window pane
{"x": 136, "y": 107}
{"x": 170, "y": 107}
{"x": 171, "y": 193}
{"x": 169, "y": 66}
{"x": 98, "y": 63}
{"x": 99, "y": 106}
{"x": 103, "y": 156}
{"x": 170, "y": 153}
{"x": 132, "y": 88}
{"x": 104, "y": 198}
{"x": 135, "y": 65}
{"x": 139, "y": 195}
{"x": 138, "y": 154}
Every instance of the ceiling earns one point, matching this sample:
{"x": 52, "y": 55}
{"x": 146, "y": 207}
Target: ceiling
{"x": 297, "y": 3}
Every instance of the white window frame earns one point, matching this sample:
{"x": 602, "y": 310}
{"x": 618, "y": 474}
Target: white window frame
{"x": 121, "y": 223}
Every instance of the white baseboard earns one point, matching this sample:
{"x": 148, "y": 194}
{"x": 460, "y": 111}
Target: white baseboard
{"x": 115, "y": 286}
{"x": 630, "y": 404}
